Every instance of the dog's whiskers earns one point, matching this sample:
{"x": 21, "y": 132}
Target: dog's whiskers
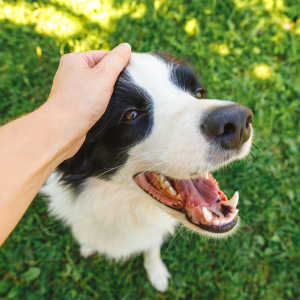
{"x": 176, "y": 235}
{"x": 153, "y": 167}
{"x": 256, "y": 145}
{"x": 177, "y": 232}
{"x": 127, "y": 163}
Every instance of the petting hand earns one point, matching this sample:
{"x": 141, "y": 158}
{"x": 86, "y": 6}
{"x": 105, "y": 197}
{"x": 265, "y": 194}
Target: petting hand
{"x": 32, "y": 146}
{"x": 82, "y": 88}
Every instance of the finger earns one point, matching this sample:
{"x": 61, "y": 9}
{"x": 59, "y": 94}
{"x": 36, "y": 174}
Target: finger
{"x": 113, "y": 63}
{"x": 83, "y": 59}
{"x": 94, "y": 57}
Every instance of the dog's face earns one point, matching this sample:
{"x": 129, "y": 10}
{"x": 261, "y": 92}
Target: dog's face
{"x": 161, "y": 137}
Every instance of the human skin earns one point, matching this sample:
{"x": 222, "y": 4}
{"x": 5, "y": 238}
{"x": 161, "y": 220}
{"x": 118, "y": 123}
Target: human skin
{"x": 32, "y": 146}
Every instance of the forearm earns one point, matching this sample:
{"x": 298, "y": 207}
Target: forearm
{"x": 30, "y": 149}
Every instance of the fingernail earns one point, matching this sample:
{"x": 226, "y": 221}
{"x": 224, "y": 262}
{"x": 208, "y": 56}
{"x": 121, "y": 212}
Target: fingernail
{"x": 125, "y": 46}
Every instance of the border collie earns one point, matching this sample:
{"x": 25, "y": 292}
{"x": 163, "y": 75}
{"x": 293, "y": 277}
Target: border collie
{"x": 144, "y": 166}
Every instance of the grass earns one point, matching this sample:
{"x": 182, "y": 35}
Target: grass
{"x": 243, "y": 52}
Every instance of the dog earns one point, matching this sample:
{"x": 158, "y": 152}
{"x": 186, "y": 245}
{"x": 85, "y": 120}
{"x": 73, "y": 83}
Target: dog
{"x": 145, "y": 165}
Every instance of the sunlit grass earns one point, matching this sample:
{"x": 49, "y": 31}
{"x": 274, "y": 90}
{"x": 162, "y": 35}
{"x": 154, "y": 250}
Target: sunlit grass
{"x": 50, "y": 20}
{"x": 65, "y": 19}
{"x": 270, "y": 5}
{"x": 15, "y": 13}
{"x": 157, "y": 4}
{"x": 191, "y": 26}
{"x": 262, "y": 71}
{"x": 38, "y": 50}
{"x": 222, "y": 49}
{"x": 47, "y": 20}
{"x": 273, "y": 4}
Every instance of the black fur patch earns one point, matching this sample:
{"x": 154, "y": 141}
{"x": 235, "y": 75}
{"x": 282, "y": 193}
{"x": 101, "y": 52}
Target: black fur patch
{"x": 182, "y": 74}
{"x": 106, "y": 147}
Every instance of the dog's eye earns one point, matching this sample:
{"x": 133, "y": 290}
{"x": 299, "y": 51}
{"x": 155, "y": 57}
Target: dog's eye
{"x": 132, "y": 114}
{"x": 198, "y": 94}
{"x": 201, "y": 93}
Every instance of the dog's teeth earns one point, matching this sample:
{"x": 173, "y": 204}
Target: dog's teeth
{"x": 178, "y": 197}
{"x": 207, "y": 214}
{"x": 166, "y": 184}
{"x": 233, "y": 201}
{"x": 222, "y": 222}
{"x": 234, "y": 213}
{"x": 206, "y": 175}
{"x": 162, "y": 178}
{"x": 155, "y": 174}
{"x": 215, "y": 222}
{"x": 171, "y": 191}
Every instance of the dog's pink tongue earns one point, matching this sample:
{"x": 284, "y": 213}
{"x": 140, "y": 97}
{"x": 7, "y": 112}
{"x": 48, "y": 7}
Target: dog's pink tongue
{"x": 201, "y": 191}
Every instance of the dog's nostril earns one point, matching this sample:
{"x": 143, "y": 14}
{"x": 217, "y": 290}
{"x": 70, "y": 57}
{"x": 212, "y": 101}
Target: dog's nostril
{"x": 249, "y": 121}
{"x": 229, "y": 129}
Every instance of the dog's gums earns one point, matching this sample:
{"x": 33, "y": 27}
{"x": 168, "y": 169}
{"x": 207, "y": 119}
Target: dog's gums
{"x": 201, "y": 200}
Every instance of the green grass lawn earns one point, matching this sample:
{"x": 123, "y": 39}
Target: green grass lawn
{"x": 245, "y": 51}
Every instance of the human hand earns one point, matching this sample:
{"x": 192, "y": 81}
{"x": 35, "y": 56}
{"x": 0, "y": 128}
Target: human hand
{"x": 82, "y": 88}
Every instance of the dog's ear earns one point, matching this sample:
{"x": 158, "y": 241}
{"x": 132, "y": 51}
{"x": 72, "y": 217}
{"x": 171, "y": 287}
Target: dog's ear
{"x": 80, "y": 165}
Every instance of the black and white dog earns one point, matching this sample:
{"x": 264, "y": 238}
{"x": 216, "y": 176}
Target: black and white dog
{"x": 143, "y": 167}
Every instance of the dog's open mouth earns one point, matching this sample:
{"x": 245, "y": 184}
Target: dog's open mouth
{"x": 201, "y": 200}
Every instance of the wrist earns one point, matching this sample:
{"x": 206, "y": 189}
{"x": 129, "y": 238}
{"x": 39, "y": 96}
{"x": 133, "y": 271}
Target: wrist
{"x": 63, "y": 130}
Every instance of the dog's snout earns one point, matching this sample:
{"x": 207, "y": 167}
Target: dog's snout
{"x": 229, "y": 126}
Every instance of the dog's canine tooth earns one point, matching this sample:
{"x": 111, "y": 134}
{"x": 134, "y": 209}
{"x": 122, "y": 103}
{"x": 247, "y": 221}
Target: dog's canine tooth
{"x": 171, "y": 191}
{"x": 233, "y": 201}
{"x": 178, "y": 197}
{"x": 207, "y": 214}
{"x": 206, "y": 175}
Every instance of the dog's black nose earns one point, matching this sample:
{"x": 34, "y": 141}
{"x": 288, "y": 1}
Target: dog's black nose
{"x": 229, "y": 125}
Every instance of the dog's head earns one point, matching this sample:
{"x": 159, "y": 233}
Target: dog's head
{"x": 161, "y": 137}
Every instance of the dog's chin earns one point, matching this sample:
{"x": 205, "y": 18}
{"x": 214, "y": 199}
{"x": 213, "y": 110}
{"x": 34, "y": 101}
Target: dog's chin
{"x": 182, "y": 218}
{"x": 198, "y": 203}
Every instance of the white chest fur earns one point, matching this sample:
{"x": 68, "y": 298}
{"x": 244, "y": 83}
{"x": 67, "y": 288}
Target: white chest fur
{"x": 108, "y": 218}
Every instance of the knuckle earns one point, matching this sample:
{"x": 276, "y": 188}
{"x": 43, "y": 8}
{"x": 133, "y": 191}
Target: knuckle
{"x": 67, "y": 57}
{"x": 63, "y": 59}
